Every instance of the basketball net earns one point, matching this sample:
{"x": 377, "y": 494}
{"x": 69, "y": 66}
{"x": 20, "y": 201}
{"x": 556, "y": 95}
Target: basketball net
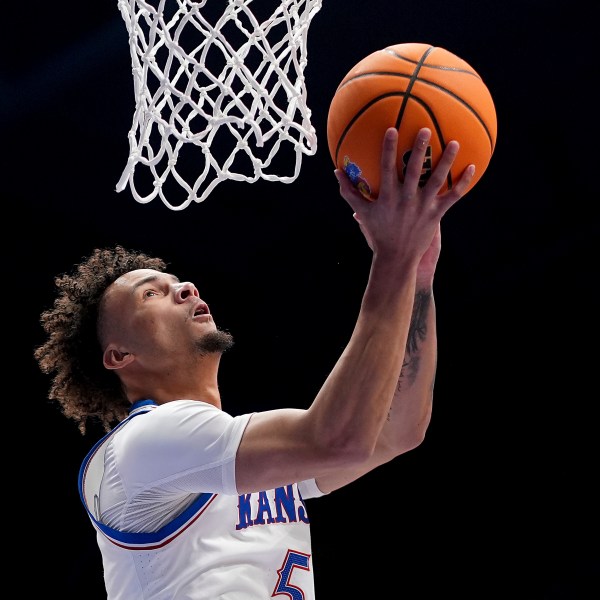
{"x": 216, "y": 93}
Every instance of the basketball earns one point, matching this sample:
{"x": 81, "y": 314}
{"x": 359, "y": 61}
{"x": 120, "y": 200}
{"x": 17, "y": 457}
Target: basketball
{"x": 410, "y": 86}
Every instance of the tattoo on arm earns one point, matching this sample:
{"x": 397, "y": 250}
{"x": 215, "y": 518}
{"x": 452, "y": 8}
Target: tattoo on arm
{"x": 416, "y": 334}
{"x": 418, "y": 323}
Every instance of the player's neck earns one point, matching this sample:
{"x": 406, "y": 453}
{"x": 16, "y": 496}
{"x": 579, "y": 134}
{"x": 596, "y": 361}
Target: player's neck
{"x": 178, "y": 384}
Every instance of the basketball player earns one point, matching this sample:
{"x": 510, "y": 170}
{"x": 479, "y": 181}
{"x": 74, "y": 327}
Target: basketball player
{"x": 190, "y": 502}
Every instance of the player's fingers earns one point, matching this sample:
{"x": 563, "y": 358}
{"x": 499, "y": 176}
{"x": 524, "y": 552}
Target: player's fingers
{"x": 389, "y": 154}
{"x": 459, "y": 188}
{"x": 348, "y": 191}
{"x": 414, "y": 167}
{"x": 440, "y": 173}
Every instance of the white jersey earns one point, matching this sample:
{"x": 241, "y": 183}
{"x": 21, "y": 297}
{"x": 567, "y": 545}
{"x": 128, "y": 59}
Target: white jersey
{"x": 160, "y": 490}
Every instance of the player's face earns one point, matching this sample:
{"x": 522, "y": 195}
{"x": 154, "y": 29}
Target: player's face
{"x": 157, "y": 317}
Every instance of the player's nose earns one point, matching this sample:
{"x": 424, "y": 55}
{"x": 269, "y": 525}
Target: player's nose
{"x": 185, "y": 290}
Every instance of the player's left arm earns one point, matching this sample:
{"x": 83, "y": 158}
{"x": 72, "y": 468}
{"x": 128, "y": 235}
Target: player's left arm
{"x": 410, "y": 411}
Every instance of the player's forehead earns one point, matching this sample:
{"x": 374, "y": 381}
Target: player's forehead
{"x": 132, "y": 280}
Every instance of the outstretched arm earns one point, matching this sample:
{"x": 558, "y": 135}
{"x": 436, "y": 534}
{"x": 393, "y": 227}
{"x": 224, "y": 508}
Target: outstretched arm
{"x": 410, "y": 410}
{"x": 346, "y": 428}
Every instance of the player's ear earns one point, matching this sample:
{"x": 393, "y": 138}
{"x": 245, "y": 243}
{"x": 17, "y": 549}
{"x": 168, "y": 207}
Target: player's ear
{"x": 113, "y": 358}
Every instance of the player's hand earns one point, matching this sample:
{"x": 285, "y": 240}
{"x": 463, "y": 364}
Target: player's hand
{"x": 404, "y": 219}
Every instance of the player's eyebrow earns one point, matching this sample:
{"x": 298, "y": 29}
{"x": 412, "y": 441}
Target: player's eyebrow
{"x": 152, "y": 278}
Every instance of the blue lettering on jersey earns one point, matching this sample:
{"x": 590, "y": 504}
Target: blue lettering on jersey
{"x": 286, "y": 501}
{"x": 258, "y": 509}
{"x": 263, "y": 507}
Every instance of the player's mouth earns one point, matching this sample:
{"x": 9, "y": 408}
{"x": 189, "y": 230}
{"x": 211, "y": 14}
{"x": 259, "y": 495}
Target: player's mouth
{"x": 200, "y": 310}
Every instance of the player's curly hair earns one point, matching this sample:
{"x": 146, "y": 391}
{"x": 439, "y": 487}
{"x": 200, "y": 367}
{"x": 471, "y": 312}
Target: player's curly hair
{"x": 72, "y": 352}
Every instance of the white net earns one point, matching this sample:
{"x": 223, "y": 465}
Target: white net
{"x": 219, "y": 94}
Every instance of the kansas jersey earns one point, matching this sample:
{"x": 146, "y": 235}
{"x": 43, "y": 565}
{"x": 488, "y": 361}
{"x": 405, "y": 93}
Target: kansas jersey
{"x": 160, "y": 490}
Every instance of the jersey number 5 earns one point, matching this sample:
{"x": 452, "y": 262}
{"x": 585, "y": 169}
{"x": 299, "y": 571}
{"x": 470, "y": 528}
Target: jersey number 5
{"x": 292, "y": 560}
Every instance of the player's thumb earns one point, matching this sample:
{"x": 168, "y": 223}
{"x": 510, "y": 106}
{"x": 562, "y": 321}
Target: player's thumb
{"x": 348, "y": 191}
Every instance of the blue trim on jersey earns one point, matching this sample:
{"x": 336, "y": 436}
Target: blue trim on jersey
{"x": 156, "y": 537}
{"x": 138, "y": 539}
{"x": 139, "y": 403}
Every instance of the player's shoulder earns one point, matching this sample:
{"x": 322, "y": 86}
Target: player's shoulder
{"x": 179, "y": 418}
{"x": 178, "y": 407}
{"x": 166, "y": 439}
{"x": 176, "y": 415}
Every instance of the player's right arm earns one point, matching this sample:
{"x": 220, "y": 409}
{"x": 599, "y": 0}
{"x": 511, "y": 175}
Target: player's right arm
{"x": 341, "y": 428}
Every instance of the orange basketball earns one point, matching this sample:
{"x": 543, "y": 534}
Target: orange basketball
{"x": 409, "y": 86}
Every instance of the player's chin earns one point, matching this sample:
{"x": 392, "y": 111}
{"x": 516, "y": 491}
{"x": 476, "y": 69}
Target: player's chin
{"x": 216, "y": 341}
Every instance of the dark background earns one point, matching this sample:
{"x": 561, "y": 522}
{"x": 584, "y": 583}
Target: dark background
{"x": 501, "y": 500}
